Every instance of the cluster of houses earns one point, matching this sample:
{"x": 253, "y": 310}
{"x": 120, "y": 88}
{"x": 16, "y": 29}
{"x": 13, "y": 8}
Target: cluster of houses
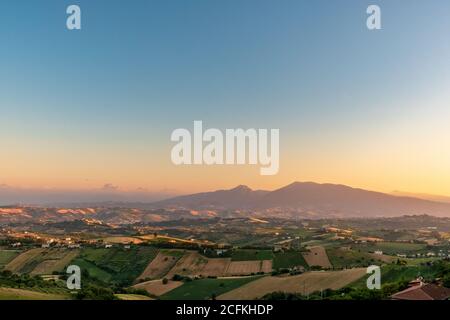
{"x": 70, "y": 244}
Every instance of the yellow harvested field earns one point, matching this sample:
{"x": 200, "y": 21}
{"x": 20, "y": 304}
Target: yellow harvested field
{"x": 122, "y": 240}
{"x": 18, "y": 262}
{"x": 239, "y": 268}
{"x": 266, "y": 266}
{"x": 305, "y": 283}
{"x": 157, "y": 288}
{"x": 159, "y": 266}
{"x": 132, "y": 297}
{"x": 317, "y": 256}
{"x": 21, "y": 294}
{"x": 191, "y": 263}
{"x": 216, "y": 267}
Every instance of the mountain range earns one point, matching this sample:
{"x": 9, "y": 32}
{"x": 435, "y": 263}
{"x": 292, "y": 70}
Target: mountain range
{"x": 310, "y": 199}
{"x": 294, "y": 201}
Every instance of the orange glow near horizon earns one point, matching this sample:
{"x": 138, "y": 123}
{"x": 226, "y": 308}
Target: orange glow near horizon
{"x": 409, "y": 155}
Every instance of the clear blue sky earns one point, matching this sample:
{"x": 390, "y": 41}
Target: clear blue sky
{"x": 139, "y": 69}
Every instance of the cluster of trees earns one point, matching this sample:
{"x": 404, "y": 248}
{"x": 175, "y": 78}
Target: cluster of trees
{"x": 93, "y": 292}
{"x": 9, "y": 279}
{"x": 443, "y": 270}
{"x": 212, "y": 253}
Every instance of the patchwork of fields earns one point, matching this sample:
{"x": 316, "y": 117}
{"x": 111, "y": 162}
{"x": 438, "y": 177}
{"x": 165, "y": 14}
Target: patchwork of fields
{"x": 41, "y": 261}
{"x": 244, "y": 274}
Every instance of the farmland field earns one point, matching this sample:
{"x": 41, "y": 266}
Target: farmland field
{"x": 341, "y": 258}
{"x": 132, "y": 297}
{"x": 93, "y": 270}
{"x": 238, "y": 268}
{"x": 122, "y": 265}
{"x": 191, "y": 263}
{"x": 122, "y": 240}
{"x": 266, "y": 266}
{"x": 289, "y": 259}
{"x": 216, "y": 267}
{"x": 157, "y": 288}
{"x": 55, "y": 263}
{"x": 249, "y": 254}
{"x": 304, "y": 284}
{"x": 204, "y": 288}
{"x": 24, "y": 262}
{"x": 21, "y": 294}
{"x": 394, "y": 273}
{"x": 159, "y": 266}
{"x": 317, "y": 256}
{"x": 393, "y": 248}
{"x": 6, "y": 256}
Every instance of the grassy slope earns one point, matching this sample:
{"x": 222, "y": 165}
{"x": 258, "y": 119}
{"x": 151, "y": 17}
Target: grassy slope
{"x": 116, "y": 264}
{"x": 249, "y": 254}
{"x": 394, "y": 273}
{"x": 350, "y": 258}
{"x": 203, "y": 289}
{"x": 288, "y": 259}
{"x": 6, "y": 256}
{"x": 393, "y": 248}
{"x": 132, "y": 297}
{"x": 21, "y": 294}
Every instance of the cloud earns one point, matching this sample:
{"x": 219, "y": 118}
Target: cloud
{"x": 110, "y": 187}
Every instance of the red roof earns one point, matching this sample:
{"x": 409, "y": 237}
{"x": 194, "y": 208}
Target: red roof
{"x": 423, "y": 292}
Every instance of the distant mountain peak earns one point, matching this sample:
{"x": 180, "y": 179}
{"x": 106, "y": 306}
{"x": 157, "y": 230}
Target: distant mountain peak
{"x": 241, "y": 187}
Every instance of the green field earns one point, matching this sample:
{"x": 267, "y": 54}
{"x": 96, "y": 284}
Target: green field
{"x": 173, "y": 252}
{"x": 132, "y": 297}
{"x": 21, "y": 294}
{"x": 288, "y": 259}
{"x": 116, "y": 264}
{"x": 250, "y": 254}
{"x": 393, "y": 248}
{"x": 203, "y": 289}
{"x": 350, "y": 258}
{"x": 6, "y": 256}
{"x": 393, "y": 273}
{"x": 93, "y": 270}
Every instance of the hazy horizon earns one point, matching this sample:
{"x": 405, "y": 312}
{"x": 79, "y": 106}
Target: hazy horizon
{"x": 110, "y": 193}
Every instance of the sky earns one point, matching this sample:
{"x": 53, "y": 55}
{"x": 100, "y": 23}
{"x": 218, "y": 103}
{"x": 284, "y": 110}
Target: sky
{"x": 94, "y": 108}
